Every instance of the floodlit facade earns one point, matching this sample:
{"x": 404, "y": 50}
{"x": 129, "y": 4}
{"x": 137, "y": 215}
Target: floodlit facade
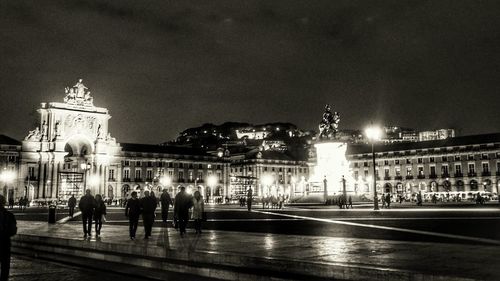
{"x": 461, "y": 166}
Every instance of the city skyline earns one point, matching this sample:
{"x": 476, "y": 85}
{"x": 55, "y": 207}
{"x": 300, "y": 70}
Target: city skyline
{"x": 163, "y": 67}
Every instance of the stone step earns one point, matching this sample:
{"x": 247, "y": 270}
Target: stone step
{"x": 155, "y": 262}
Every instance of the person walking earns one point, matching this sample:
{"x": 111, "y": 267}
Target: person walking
{"x": 388, "y": 200}
{"x": 8, "y": 228}
{"x": 198, "y": 209}
{"x": 72, "y": 205}
{"x": 87, "y": 206}
{"x": 419, "y": 198}
{"x": 182, "y": 203}
{"x": 350, "y": 201}
{"x": 132, "y": 212}
{"x": 99, "y": 213}
{"x": 11, "y": 202}
{"x": 148, "y": 206}
{"x": 249, "y": 199}
{"x": 165, "y": 201}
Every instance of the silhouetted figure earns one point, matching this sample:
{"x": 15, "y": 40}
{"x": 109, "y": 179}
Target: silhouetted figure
{"x": 8, "y": 228}
{"x": 148, "y": 206}
{"x": 71, "y": 205}
{"x": 249, "y": 199}
{"x": 87, "y": 205}
{"x": 182, "y": 203}
{"x": 99, "y": 213}
{"x": 133, "y": 211}
{"x": 198, "y": 209}
{"x": 166, "y": 201}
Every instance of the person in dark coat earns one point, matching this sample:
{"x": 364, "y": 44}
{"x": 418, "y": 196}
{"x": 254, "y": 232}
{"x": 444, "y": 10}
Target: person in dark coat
{"x": 182, "y": 203}
{"x": 249, "y": 199}
{"x": 148, "y": 206}
{"x": 71, "y": 205}
{"x": 8, "y": 228}
{"x": 99, "y": 212}
{"x": 87, "y": 206}
{"x": 166, "y": 201}
{"x": 133, "y": 211}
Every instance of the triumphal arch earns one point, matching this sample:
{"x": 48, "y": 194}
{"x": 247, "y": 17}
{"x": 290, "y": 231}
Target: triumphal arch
{"x": 70, "y": 150}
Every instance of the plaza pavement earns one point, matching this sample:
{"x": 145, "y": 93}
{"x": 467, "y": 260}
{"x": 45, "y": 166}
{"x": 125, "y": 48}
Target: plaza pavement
{"x": 230, "y": 255}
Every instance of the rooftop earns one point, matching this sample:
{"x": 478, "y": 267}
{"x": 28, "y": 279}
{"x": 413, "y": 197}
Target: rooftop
{"x": 450, "y": 142}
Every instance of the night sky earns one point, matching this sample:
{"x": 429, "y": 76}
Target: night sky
{"x": 163, "y": 66}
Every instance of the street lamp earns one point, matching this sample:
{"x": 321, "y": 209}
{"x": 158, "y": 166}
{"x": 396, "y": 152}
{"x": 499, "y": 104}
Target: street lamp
{"x": 7, "y": 176}
{"x": 374, "y": 133}
{"x": 85, "y": 167}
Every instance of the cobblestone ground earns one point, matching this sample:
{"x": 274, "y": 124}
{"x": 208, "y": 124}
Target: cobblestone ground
{"x": 27, "y": 269}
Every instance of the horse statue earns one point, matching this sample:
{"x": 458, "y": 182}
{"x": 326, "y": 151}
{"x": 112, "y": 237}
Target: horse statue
{"x": 328, "y": 127}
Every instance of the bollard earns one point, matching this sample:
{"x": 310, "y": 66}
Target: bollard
{"x": 52, "y": 213}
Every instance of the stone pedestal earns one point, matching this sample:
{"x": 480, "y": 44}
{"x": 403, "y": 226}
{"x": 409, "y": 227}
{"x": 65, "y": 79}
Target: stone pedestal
{"x": 331, "y": 166}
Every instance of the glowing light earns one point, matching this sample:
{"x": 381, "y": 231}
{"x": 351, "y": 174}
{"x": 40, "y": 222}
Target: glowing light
{"x": 373, "y": 133}
{"x": 94, "y": 180}
{"x": 266, "y": 180}
{"x": 331, "y": 165}
{"x": 212, "y": 180}
{"x": 166, "y": 180}
{"x": 8, "y": 176}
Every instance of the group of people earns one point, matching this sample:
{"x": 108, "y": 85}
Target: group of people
{"x": 146, "y": 206}
{"x": 93, "y": 209}
{"x": 273, "y": 201}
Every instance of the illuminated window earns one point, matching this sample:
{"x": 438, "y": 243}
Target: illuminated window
{"x": 420, "y": 171}
{"x": 408, "y": 171}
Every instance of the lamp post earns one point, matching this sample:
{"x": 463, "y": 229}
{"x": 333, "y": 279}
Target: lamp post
{"x": 85, "y": 167}
{"x": 373, "y": 134}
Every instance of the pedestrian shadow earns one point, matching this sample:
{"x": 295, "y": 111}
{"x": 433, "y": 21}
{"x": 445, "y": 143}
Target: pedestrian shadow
{"x": 163, "y": 238}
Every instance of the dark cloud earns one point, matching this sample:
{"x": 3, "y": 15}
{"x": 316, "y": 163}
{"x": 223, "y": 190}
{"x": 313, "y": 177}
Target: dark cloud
{"x": 163, "y": 66}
